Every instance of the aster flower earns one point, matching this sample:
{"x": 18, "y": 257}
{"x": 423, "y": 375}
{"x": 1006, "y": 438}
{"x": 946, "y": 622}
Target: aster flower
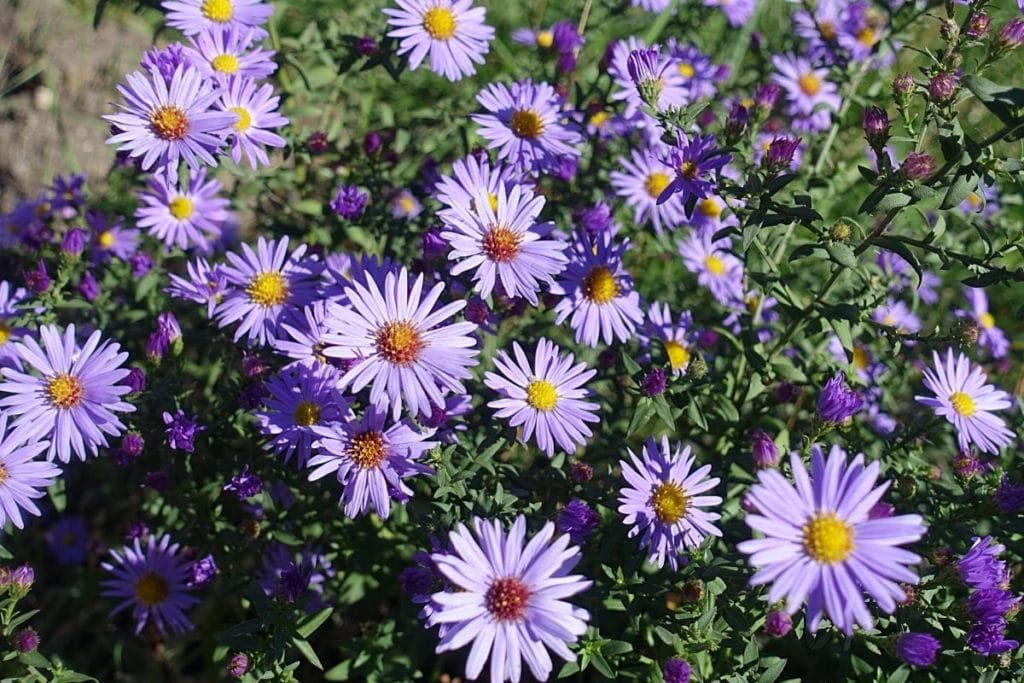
{"x": 182, "y": 430}
{"x": 405, "y": 205}
{"x": 662, "y": 501}
{"x": 301, "y": 338}
{"x": 22, "y": 477}
{"x": 68, "y": 540}
{"x": 980, "y": 567}
{"x": 714, "y": 266}
{"x": 162, "y": 123}
{"x": 300, "y": 398}
{"x": 526, "y": 125}
{"x": 266, "y": 283}
{"x": 451, "y": 32}
{"x": 963, "y": 397}
{"x": 113, "y": 240}
{"x": 255, "y": 110}
{"x": 837, "y": 401}
{"x": 698, "y": 72}
{"x": 153, "y": 582}
{"x": 509, "y": 598}
{"x": 292, "y": 575}
{"x": 820, "y": 544}
{"x": 811, "y": 97}
{"x": 349, "y": 202}
{"x": 640, "y": 183}
{"x": 598, "y": 293}
{"x": 676, "y": 670}
{"x": 185, "y": 217}
{"x": 895, "y": 313}
{"x": 10, "y": 300}
{"x": 205, "y": 284}
{"x": 73, "y": 399}
{"x": 545, "y": 397}
{"x": 675, "y": 336}
{"x": 693, "y": 160}
{"x": 738, "y": 12}
{"x": 223, "y": 54}
{"x": 244, "y": 485}
{"x": 989, "y": 336}
{"x": 370, "y": 461}
{"x": 469, "y": 176}
{"x": 504, "y": 244}
{"x": 400, "y": 343}
{"x": 198, "y": 16}
{"x": 917, "y": 649}
{"x": 651, "y": 79}
{"x": 578, "y": 520}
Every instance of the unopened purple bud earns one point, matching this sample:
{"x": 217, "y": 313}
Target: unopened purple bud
{"x": 317, "y": 142}
{"x": 132, "y": 444}
{"x": 780, "y": 154}
{"x": 366, "y": 45}
{"x": 371, "y": 143}
{"x": 167, "y": 322}
{"x": 778, "y": 623}
{"x": 766, "y": 96}
{"x": 1010, "y": 36}
{"x": 917, "y": 649}
{"x": 566, "y": 62}
{"x": 837, "y": 401}
{"x": 88, "y": 287}
{"x": 238, "y": 665}
{"x": 26, "y": 640}
{"x": 581, "y": 472}
{"x": 433, "y": 245}
{"x": 245, "y": 484}
{"x": 876, "y": 126}
{"x": 137, "y": 530}
{"x": 902, "y": 87}
{"x": 977, "y": 26}
{"x": 136, "y": 380}
{"x": 141, "y": 263}
{"x": 23, "y": 577}
{"x": 349, "y": 202}
{"x": 74, "y": 242}
{"x": 578, "y": 520}
{"x": 37, "y": 279}
{"x": 203, "y": 572}
{"x": 642, "y": 65}
{"x": 942, "y": 87}
{"x": 737, "y": 122}
{"x": 254, "y": 366}
{"x": 676, "y": 670}
{"x": 157, "y": 345}
{"x": 917, "y": 165}
{"x": 881, "y": 510}
{"x": 766, "y": 453}
{"x": 654, "y": 382}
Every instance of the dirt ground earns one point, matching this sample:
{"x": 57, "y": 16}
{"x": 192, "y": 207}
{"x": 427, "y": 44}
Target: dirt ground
{"x": 57, "y": 76}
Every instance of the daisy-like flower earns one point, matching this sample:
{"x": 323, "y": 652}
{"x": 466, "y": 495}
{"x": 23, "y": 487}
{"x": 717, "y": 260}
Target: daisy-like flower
{"x": 198, "y": 16}
{"x": 895, "y": 313}
{"x": 509, "y": 598}
{"x": 205, "y": 284}
{"x": 154, "y": 582}
{"x": 184, "y": 217}
{"x": 989, "y": 336}
{"x": 302, "y": 337}
{"x": 598, "y": 293}
{"x": 714, "y": 266}
{"x": 505, "y": 243}
{"x": 112, "y": 240}
{"x": 546, "y": 397}
{"x": 469, "y": 176}
{"x": 255, "y": 110}
{"x": 821, "y": 544}
{"x": 162, "y": 123}
{"x": 73, "y": 400}
{"x": 22, "y": 477}
{"x": 300, "y": 398}
{"x": 811, "y": 97}
{"x": 400, "y": 343}
{"x": 405, "y": 205}
{"x": 662, "y": 501}
{"x": 693, "y": 160}
{"x": 640, "y": 183}
{"x": 223, "y": 54}
{"x": 451, "y": 32}
{"x": 526, "y": 125}
{"x": 369, "y": 461}
{"x": 10, "y": 299}
{"x": 675, "y": 336}
{"x": 266, "y": 283}
{"x": 963, "y": 397}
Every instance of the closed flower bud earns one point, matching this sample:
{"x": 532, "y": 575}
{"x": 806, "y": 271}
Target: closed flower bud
{"x": 37, "y": 280}
{"x": 581, "y": 472}
{"x": 73, "y": 242}
{"x": 942, "y": 87}
{"x": 693, "y": 591}
{"x": 698, "y": 368}
{"x": 949, "y": 30}
{"x": 366, "y": 45}
{"x": 676, "y": 670}
{"x": 23, "y": 577}
{"x": 766, "y": 96}
{"x": 1010, "y": 37}
{"x": 876, "y": 126}
{"x": 840, "y": 231}
{"x": 917, "y": 165}
{"x": 317, "y": 142}
{"x": 238, "y": 665}
{"x": 837, "y": 401}
{"x": 778, "y": 623}
{"x": 977, "y": 27}
{"x": 736, "y": 124}
{"x": 136, "y": 380}
{"x": 371, "y": 143}
{"x": 643, "y": 70}
{"x": 766, "y": 453}
{"x": 902, "y": 87}
{"x": 917, "y": 649}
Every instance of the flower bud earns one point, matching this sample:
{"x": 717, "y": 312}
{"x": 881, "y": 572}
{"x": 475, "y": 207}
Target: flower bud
{"x": 876, "y": 127}
{"x": 766, "y": 453}
{"x": 902, "y": 88}
{"x": 371, "y": 143}
{"x": 317, "y": 142}
{"x": 643, "y": 70}
{"x": 136, "y": 380}
{"x": 840, "y": 231}
{"x": 917, "y": 165}
{"x": 1010, "y": 37}
{"x": 779, "y": 156}
{"x": 73, "y": 242}
{"x": 949, "y": 30}
{"x": 581, "y": 472}
{"x": 698, "y": 368}
{"x": 778, "y": 623}
{"x": 693, "y": 591}
{"x": 37, "y": 280}
{"x": 366, "y": 45}
{"x": 766, "y": 96}
{"x": 942, "y": 87}
{"x": 238, "y": 665}
{"x": 977, "y": 26}
{"x": 654, "y": 382}
{"x": 736, "y": 124}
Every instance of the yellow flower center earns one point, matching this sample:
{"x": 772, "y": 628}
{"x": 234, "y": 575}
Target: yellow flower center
{"x": 225, "y": 63}
{"x": 407, "y": 204}
{"x": 244, "y": 119}
{"x": 656, "y": 183}
{"x": 828, "y": 29}
{"x": 218, "y": 10}
{"x": 599, "y": 119}
{"x": 686, "y": 70}
{"x": 688, "y": 170}
{"x": 828, "y": 539}
{"x": 709, "y": 207}
{"x": 439, "y": 22}
{"x": 714, "y": 265}
{"x": 501, "y": 244}
{"x": 526, "y": 123}
{"x": 678, "y": 355}
{"x": 106, "y": 239}
{"x": 367, "y": 450}
{"x": 545, "y": 39}
{"x": 181, "y": 208}
{"x": 669, "y": 502}
{"x": 5, "y": 333}
{"x": 268, "y": 289}
{"x": 307, "y": 413}
{"x": 169, "y": 122}
{"x": 151, "y": 589}
{"x": 600, "y": 286}
{"x": 889, "y": 319}
{"x": 541, "y": 395}
{"x": 987, "y": 320}
{"x": 963, "y": 404}
{"x": 492, "y": 199}
{"x": 974, "y": 199}
{"x": 3, "y": 475}
{"x": 65, "y": 391}
{"x": 399, "y": 343}
{"x": 867, "y": 36}
{"x": 810, "y": 84}
{"x": 861, "y": 358}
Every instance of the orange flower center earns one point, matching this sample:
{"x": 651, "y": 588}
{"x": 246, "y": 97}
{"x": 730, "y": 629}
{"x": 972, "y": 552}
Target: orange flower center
{"x": 367, "y": 450}
{"x": 669, "y": 502}
{"x": 810, "y": 84}
{"x": 151, "y": 589}
{"x": 501, "y": 244}
{"x": 399, "y": 343}
{"x": 268, "y": 289}
{"x": 600, "y": 286}
{"x": 169, "y": 122}
{"x": 526, "y": 123}
{"x": 65, "y": 391}
{"x": 506, "y": 599}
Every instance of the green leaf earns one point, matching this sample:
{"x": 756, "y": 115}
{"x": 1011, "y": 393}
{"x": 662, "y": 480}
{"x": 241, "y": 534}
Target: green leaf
{"x": 958, "y": 191}
{"x": 617, "y": 647}
{"x": 308, "y": 626}
{"x": 306, "y": 650}
{"x": 601, "y": 664}
{"x": 896, "y": 200}
{"x": 772, "y": 672}
{"x": 899, "y": 675}
{"x": 664, "y": 411}
{"x": 841, "y": 326}
{"x": 641, "y": 414}
{"x": 843, "y": 255}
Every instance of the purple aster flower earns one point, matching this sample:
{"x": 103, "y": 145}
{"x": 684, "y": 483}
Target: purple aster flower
{"x": 182, "y": 430}
{"x": 545, "y": 397}
{"x": 778, "y": 623}
{"x": 676, "y": 670}
{"x": 942, "y": 87}
{"x": 301, "y": 338}
{"x": 641, "y": 182}
{"x": 716, "y": 268}
{"x": 451, "y": 32}
{"x": 198, "y": 16}
{"x": 165, "y": 61}
{"x": 987, "y": 604}
{"x": 693, "y": 160}
{"x": 162, "y": 123}
{"x": 897, "y": 314}
{"x": 37, "y": 279}
{"x": 504, "y": 244}
{"x": 990, "y": 337}
{"x": 349, "y": 202}
{"x": 781, "y": 154}
{"x": 141, "y": 263}
{"x": 738, "y": 12}
{"x": 652, "y": 5}
{"x": 238, "y": 665}
{"x": 183, "y": 216}
{"x": 509, "y": 598}
{"x": 73, "y": 242}
{"x": 205, "y": 284}
{"x": 153, "y": 582}
{"x": 662, "y": 501}
{"x": 370, "y": 461}
{"x": 223, "y": 54}
{"x": 674, "y": 335}
{"x": 917, "y": 649}
{"x": 245, "y": 484}
{"x": 811, "y": 97}
{"x": 72, "y": 400}
{"x": 22, "y": 477}
{"x": 644, "y": 75}
{"x": 469, "y": 176}
{"x": 203, "y": 571}
{"x": 989, "y": 638}
{"x": 820, "y": 546}
{"x": 405, "y": 205}
{"x": 527, "y": 126}
{"x": 300, "y": 398}
{"x": 980, "y": 567}
{"x": 1010, "y": 37}
{"x": 11, "y": 299}
{"x": 255, "y": 110}
{"x": 653, "y": 383}
{"x": 400, "y": 343}
{"x": 765, "y": 452}
{"x": 68, "y": 540}
{"x": 837, "y": 401}
{"x": 267, "y": 283}
{"x": 577, "y": 519}
{"x": 291, "y": 575}
{"x": 963, "y": 397}
{"x": 25, "y": 640}
{"x": 1009, "y": 497}
{"x": 114, "y": 240}
{"x": 598, "y": 293}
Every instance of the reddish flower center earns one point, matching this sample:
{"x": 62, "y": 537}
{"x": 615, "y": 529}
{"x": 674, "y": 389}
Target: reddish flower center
{"x": 65, "y": 391}
{"x": 367, "y": 450}
{"x": 169, "y": 122}
{"x": 151, "y": 589}
{"x": 501, "y": 244}
{"x": 506, "y": 599}
{"x": 600, "y": 286}
{"x": 399, "y": 343}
